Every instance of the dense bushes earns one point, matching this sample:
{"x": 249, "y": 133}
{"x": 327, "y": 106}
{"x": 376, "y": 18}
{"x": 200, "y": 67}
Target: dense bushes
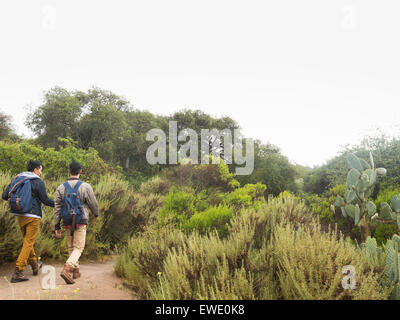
{"x": 272, "y": 169}
{"x": 202, "y": 177}
{"x": 178, "y": 207}
{"x": 384, "y": 232}
{"x": 310, "y": 266}
{"x": 155, "y": 185}
{"x": 140, "y": 262}
{"x": 209, "y": 209}
{"x": 320, "y": 204}
{"x": 14, "y": 158}
{"x": 202, "y": 197}
{"x": 215, "y": 218}
{"x": 125, "y": 212}
{"x": 265, "y": 256}
{"x": 250, "y": 195}
{"x": 10, "y": 235}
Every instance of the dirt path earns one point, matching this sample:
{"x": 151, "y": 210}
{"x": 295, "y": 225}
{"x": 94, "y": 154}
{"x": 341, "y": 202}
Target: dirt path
{"x": 98, "y": 282}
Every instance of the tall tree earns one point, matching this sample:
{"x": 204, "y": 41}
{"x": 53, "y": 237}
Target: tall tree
{"x": 58, "y": 116}
{"x": 6, "y": 129}
{"x": 198, "y": 120}
{"x": 272, "y": 169}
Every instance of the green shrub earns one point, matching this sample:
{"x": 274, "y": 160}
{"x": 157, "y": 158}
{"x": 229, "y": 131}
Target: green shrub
{"x": 386, "y": 195}
{"x": 115, "y": 202}
{"x": 208, "y": 198}
{"x": 321, "y": 204}
{"x": 155, "y": 185}
{"x": 48, "y": 247}
{"x": 179, "y": 206}
{"x": 384, "y": 232}
{"x": 205, "y": 198}
{"x": 168, "y": 264}
{"x": 310, "y": 262}
{"x": 275, "y": 252}
{"x": 212, "y": 218}
{"x": 285, "y": 264}
{"x": 202, "y": 176}
{"x": 206, "y": 267}
{"x": 208, "y": 209}
{"x": 10, "y": 234}
{"x": 145, "y": 211}
{"x": 287, "y": 194}
{"x": 15, "y": 156}
{"x": 142, "y": 259}
{"x": 250, "y": 195}
{"x": 277, "y": 211}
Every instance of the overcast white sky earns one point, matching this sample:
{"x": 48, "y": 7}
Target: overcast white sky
{"x": 307, "y": 76}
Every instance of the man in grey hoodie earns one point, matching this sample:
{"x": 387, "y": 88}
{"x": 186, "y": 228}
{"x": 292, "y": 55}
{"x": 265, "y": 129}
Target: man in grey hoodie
{"x": 29, "y": 222}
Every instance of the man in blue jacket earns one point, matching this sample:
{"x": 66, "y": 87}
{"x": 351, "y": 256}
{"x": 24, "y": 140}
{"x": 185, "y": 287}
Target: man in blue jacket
{"x": 29, "y": 222}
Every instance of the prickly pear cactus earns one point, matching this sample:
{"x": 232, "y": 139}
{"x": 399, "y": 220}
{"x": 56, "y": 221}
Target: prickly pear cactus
{"x": 361, "y": 180}
{"x": 392, "y": 266}
{"x": 372, "y": 251}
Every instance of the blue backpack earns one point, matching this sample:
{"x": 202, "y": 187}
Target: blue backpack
{"x": 71, "y": 211}
{"x": 20, "y": 197}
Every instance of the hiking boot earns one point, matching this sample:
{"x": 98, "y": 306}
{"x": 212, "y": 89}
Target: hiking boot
{"x": 76, "y": 273}
{"x": 66, "y": 274}
{"x": 36, "y": 267}
{"x": 18, "y": 276}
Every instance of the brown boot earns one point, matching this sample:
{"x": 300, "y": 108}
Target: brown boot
{"x": 36, "y": 267}
{"x": 18, "y": 276}
{"x": 76, "y": 273}
{"x": 66, "y": 274}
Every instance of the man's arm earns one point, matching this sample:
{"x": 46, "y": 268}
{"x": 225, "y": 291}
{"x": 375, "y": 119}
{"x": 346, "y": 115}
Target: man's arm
{"x": 91, "y": 201}
{"x": 57, "y": 209}
{"x": 43, "y": 194}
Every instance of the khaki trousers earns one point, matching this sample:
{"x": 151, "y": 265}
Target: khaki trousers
{"x": 76, "y": 244}
{"x": 30, "y": 229}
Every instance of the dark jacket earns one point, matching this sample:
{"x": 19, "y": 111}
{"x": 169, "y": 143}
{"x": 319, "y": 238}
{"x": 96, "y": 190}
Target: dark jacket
{"x": 39, "y": 195}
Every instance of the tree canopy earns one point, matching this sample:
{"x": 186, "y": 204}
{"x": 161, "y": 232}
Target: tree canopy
{"x": 6, "y": 129}
{"x": 102, "y": 120}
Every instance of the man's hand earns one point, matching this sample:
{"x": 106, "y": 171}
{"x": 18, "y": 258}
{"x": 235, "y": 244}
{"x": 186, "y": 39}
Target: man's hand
{"x": 58, "y": 234}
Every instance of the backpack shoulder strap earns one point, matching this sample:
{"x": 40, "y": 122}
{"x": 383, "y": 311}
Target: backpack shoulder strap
{"x": 17, "y": 183}
{"x": 76, "y": 187}
{"x": 67, "y": 187}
